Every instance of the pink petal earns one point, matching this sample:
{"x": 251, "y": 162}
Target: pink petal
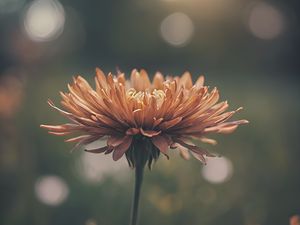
{"x": 227, "y": 130}
{"x": 61, "y": 128}
{"x": 98, "y": 150}
{"x": 200, "y": 82}
{"x": 196, "y": 151}
{"x": 132, "y": 131}
{"x": 157, "y": 121}
{"x": 59, "y": 133}
{"x": 79, "y": 138}
{"x": 109, "y": 151}
{"x": 149, "y": 133}
{"x": 83, "y": 140}
{"x": 184, "y": 152}
{"x": 115, "y": 140}
{"x": 199, "y": 156}
{"x": 161, "y": 143}
{"x": 208, "y": 140}
{"x": 171, "y": 123}
{"x": 122, "y": 148}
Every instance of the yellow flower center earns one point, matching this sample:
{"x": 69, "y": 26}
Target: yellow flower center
{"x": 139, "y": 96}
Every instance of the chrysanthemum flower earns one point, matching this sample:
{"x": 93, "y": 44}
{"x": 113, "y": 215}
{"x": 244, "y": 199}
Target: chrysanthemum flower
{"x": 142, "y": 119}
{"x": 158, "y": 116}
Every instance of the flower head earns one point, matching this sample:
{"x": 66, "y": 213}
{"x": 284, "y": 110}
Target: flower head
{"x": 142, "y": 119}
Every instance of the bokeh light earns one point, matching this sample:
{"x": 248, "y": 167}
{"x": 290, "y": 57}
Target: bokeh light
{"x": 177, "y": 29}
{"x": 217, "y": 170}
{"x": 11, "y": 94}
{"x": 265, "y": 21}
{"x": 51, "y": 190}
{"x": 44, "y": 20}
{"x": 95, "y": 168}
{"x": 91, "y": 222}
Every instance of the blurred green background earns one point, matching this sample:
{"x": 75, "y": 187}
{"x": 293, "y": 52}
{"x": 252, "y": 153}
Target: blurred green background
{"x": 248, "y": 49}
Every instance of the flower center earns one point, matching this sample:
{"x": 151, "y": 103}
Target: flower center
{"x": 140, "y": 96}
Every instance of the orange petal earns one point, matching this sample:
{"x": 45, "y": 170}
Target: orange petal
{"x": 121, "y": 78}
{"x": 208, "y": 140}
{"x": 171, "y": 123}
{"x": 79, "y": 138}
{"x": 58, "y": 109}
{"x": 196, "y": 151}
{"x": 108, "y": 151}
{"x": 186, "y": 80}
{"x": 156, "y": 121}
{"x": 158, "y": 81}
{"x": 122, "y": 148}
{"x": 60, "y": 128}
{"x": 115, "y": 140}
{"x": 98, "y": 150}
{"x": 161, "y": 143}
{"x": 145, "y": 79}
{"x": 83, "y": 140}
{"x": 227, "y": 130}
{"x": 140, "y": 80}
{"x": 132, "y": 131}
{"x": 184, "y": 152}
{"x": 200, "y": 82}
{"x": 199, "y": 156}
{"x": 101, "y": 79}
{"x": 149, "y": 133}
{"x": 59, "y": 133}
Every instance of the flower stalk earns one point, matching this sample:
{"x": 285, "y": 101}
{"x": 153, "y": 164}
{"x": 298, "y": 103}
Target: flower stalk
{"x": 140, "y": 153}
{"x": 139, "y": 172}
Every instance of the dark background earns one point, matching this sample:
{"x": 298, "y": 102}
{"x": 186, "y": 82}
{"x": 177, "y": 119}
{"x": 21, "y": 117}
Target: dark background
{"x": 248, "y": 49}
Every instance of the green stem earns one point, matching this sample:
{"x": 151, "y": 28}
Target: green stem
{"x": 139, "y": 171}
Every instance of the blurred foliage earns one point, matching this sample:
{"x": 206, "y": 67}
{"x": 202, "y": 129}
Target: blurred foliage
{"x": 260, "y": 75}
